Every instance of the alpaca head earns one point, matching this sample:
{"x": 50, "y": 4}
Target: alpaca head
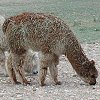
{"x": 88, "y": 72}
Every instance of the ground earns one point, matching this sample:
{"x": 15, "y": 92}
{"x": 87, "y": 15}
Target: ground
{"x": 72, "y": 87}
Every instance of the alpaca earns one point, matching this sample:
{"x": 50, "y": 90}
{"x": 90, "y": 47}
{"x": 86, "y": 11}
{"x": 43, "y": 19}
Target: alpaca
{"x": 51, "y": 37}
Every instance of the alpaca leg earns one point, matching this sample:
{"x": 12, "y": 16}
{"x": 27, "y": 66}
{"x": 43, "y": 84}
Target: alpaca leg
{"x": 43, "y": 69}
{"x": 53, "y": 69}
{"x": 18, "y": 61}
{"x": 10, "y": 70}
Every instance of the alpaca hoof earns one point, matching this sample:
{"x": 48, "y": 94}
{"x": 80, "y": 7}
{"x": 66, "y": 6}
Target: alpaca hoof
{"x": 58, "y": 83}
{"x": 17, "y": 83}
{"x": 25, "y": 82}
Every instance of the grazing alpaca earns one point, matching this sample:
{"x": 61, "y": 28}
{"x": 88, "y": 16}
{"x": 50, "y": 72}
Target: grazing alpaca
{"x": 52, "y": 37}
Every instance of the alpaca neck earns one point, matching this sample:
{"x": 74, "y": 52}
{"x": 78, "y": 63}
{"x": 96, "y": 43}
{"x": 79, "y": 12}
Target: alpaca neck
{"x": 77, "y": 58}
{"x": 75, "y": 53}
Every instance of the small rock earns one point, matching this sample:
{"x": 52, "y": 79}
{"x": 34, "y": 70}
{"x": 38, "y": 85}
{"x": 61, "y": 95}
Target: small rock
{"x": 19, "y": 95}
{"x": 96, "y": 29}
{"x": 93, "y": 88}
{"x": 74, "y": 75}
{"x": 82, "y": 84}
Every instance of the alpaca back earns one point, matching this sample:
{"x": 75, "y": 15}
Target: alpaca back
{"x": 38, "y": 31}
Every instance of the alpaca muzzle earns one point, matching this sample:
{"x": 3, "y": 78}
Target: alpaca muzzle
{"x": 93, "y": 82}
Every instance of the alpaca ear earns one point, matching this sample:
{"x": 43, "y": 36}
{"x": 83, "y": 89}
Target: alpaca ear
{"x": 92, "y": 62}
